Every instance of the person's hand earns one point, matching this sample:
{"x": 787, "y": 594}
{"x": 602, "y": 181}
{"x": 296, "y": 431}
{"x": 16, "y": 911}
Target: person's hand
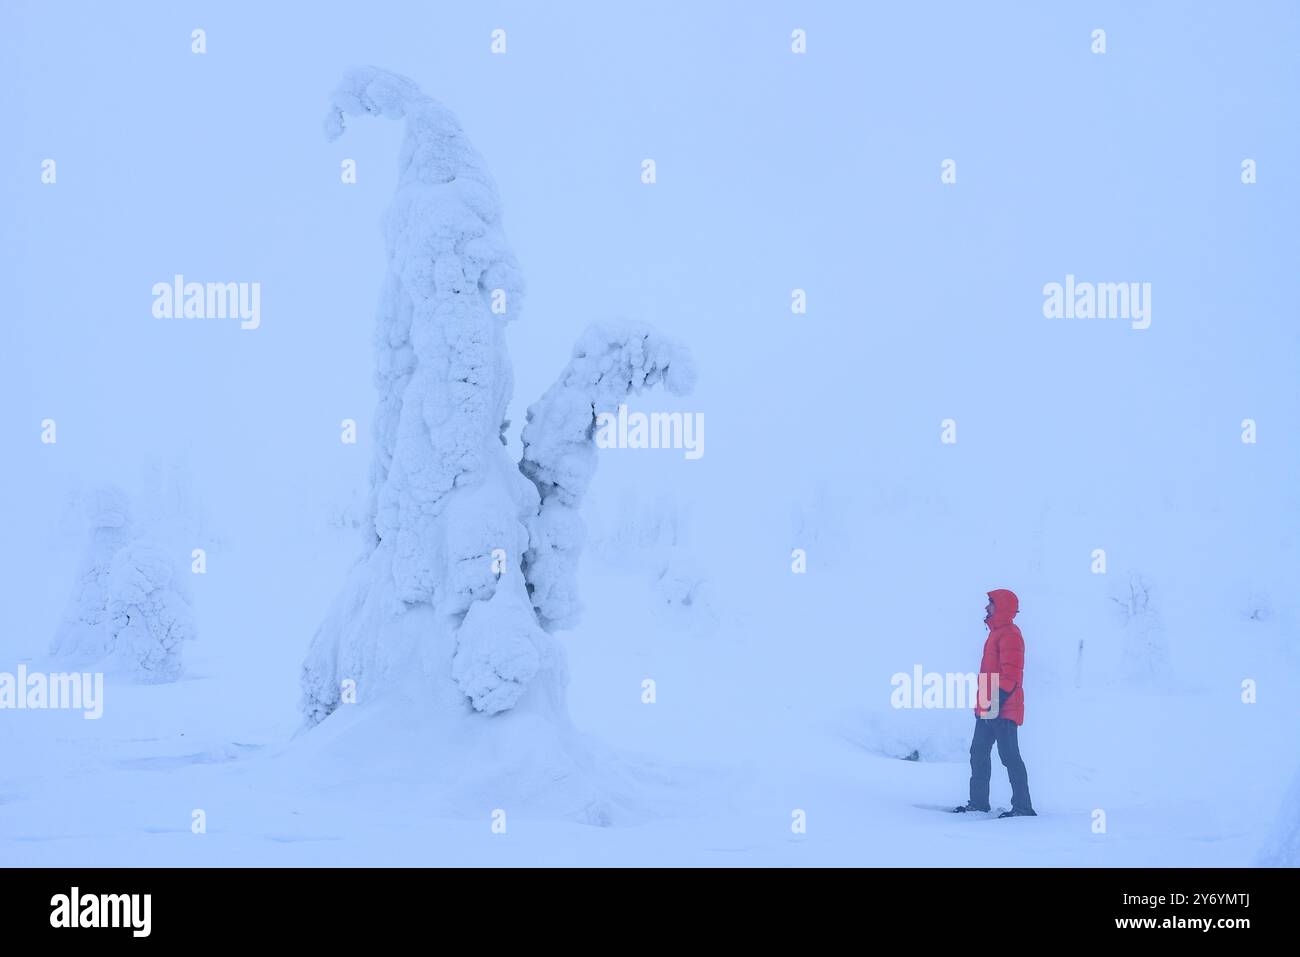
{"x": 991, "y": 711}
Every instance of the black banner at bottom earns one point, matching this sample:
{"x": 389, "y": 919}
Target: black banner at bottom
{"x": 363, "y": 905}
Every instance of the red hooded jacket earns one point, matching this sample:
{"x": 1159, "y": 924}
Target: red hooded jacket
{"x": 1004, "y": 656}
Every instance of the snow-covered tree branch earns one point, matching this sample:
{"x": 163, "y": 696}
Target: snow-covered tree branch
{"x": 610, "y": 362}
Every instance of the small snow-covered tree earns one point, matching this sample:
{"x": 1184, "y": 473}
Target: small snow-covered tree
{"x": 82, "y": 634}
{"x": 148, "y": 613}
{"x": 464, "y": 558}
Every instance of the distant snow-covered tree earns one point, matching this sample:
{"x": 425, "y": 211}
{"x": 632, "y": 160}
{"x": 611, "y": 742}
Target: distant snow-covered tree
{"x": 149, "y": 614}
{"x": 83, "y": 634}
{"x": 130, "y": 608}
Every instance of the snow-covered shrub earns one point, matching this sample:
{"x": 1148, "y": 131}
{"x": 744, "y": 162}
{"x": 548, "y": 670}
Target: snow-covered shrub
{"x": 818, "y": 526}
{"x": 83, "y": 634}
{"x": 685, "y": 594}
{"x": 681, "y": 583}
{"x": 149, "y": 613}
{"x": 1256, "y": 605}
{"x": 650, "y": 541}
{"x": 635, "y": 535}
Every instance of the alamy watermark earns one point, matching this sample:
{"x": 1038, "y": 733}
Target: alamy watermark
{"x": 656, "y": 430}
{"x": 63, "y": 691}
{"x": 179, "y": 299}
{"x": 950, "y": 689}
{"x": 75, "y": 909}
{"x": 1098, "y": 300}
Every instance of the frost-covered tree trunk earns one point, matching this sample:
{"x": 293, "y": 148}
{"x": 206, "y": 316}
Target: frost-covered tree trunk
{"x": 437, "y": 610}
{"x": 437, "y": 613}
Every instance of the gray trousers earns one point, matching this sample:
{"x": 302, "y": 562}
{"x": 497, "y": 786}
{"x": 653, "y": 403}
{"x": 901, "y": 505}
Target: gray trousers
{"x": 1003, "y": 732}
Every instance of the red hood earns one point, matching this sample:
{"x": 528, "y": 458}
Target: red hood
{"x": 1005, "y": 606}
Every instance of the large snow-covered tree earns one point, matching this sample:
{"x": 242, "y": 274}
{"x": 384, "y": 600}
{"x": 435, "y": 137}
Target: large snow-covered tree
{"x": 469, "y": 556}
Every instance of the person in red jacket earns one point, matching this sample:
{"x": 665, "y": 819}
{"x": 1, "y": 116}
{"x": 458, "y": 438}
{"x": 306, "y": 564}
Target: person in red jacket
{"x": 1000, "y": 708}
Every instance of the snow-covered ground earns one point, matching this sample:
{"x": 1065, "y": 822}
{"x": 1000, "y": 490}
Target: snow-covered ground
{"x": 744, "y": 732}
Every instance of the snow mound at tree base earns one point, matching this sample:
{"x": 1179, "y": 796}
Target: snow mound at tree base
{"x": 472, "y": 765}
